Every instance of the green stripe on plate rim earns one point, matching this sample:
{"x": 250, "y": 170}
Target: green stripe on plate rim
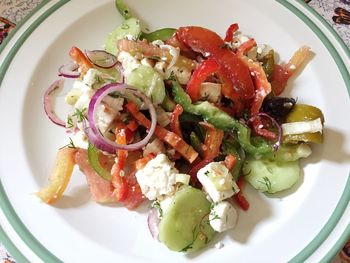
{"x": 21, "y": 23}
{"x": 5, "y": 204}
{"x": 344, "y": 200}
{"x": 11, "y": 247}
{"x": 47, "y": 256}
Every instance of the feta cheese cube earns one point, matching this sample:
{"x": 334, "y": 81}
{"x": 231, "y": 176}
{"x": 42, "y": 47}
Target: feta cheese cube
{"x": 80, "y": 140}
{"x": 223, "y": 216}
{"x": 210, "y": 91}
{"x": 217, "y": 181}
{"x": 157, "y": 178}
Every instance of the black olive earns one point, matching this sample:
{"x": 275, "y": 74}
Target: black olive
{"x": 278, "y": 107}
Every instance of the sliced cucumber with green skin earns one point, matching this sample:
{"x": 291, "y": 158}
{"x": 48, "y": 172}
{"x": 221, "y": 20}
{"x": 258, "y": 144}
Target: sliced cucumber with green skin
{"x": 185, "y": 226}
{"x": 147, "y": 80}
{"x": 130, "y": 26}
{"x": 288, "y": 153}
{"x": 271, "y": 176}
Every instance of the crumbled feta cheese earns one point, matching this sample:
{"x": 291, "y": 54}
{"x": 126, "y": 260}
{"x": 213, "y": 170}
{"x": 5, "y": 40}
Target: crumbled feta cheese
{"x": 174, "y": 52}
{"x": 91, "y": 77}
{"x": 263, "y": 50}
{"x": 157, "y": 178}
{"x": 223, "y": 216}
{"x": 129, "y": 63}
{"x": 217, "y": 181}
{"x": 80, "y": 140}
{"x": 84, "y": 100}
{"x": 300, "y": 127}
{"x": 147, "y": 62}
{"x": 210, "y": 91}
{"x": 219, "y": 245}
{"x": 160, "y": 67}
{"x": 292, "y": 67}
{"x": 155, "y": 147}
{"x": 183, "y": 75}
{"x": 157, "y": 42}
{"x": 238, "y": 40}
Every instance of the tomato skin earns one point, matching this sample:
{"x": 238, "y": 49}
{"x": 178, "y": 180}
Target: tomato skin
{"x": 230, "y": 32}
{"x": 200, "y": 39}
{"x": 202, "y": 72}
{"x": 210, "y": 44}
{"x": 135, "y": 196}
{"x": 280, "y": 77}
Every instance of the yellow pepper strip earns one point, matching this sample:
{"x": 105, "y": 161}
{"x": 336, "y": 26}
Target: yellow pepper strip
{"x": 60, "y": 176}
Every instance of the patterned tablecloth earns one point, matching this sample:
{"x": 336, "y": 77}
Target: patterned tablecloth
{"x": 336, "y": 12}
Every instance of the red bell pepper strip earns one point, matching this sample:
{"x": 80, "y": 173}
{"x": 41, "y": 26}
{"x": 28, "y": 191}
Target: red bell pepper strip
{"x": 169, "y": 137}
{"x": 230, "y": 32}
{"x": 239, "y": 197}
{"x": 281, "y": 74}
{"x": 132, "y": 125}
{"x": 79, "y": 57}
{"x": 212, "y": 141}
{"x": 205, "y": 69}
{"x": 262, "y": 86}
{"x": 118, "y": 180}
{"x": 175, "y": 122}
{"x": 208, "y": 43}
{"x": 184, "y": 50}
{"x": 230, "y": 161}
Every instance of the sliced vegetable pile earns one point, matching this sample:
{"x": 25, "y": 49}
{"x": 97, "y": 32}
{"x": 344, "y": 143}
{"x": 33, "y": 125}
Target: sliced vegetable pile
{"x": 181, "y": 117}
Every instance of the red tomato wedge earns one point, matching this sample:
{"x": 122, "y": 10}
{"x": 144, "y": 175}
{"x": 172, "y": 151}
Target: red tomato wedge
{"x": 101, "y": 190}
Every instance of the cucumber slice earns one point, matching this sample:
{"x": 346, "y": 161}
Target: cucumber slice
{"x": 130, "y": 26}
{"x": 185, "y": 226}
{"x": 271, "y": 176}
{"x": 147, "y": 80}
{"x": 288, "y": 153}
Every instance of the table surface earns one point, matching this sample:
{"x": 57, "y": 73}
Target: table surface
{"x": 336, "y": 12}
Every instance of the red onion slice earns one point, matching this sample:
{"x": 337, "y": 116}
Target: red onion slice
{"x": 104, "y": 143}
{"x": 48, "y": 103}
{"x": 101, "y": 58}
{"x": 278, "y": 142}
{"x": 153, "y": 222}
{"x": 69, "y": 70}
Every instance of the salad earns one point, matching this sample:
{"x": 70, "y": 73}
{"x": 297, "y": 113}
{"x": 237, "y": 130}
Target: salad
{"x": 181, "y": 118}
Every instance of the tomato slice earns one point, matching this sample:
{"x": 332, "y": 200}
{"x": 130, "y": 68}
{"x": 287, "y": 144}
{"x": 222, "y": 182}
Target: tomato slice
{"x": 200, "y": 39}
{"x": 210, "y": 44}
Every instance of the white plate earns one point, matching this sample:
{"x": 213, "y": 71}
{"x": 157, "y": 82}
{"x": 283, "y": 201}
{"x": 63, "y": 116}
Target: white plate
{"x": 308, "y": 223}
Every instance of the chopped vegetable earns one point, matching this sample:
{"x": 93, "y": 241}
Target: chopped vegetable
{"x": 60, "y": 176}
{"x": 185, "y": 226}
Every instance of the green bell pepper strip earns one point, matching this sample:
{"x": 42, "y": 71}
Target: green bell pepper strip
{"x": 219, "y": 119}
{"x": 123, "y": 9}
{"x": 160, "y": 34}
{"x": 168, "y": 104}
{"x": 93, "y": 156}
{"x": 229, "y": 147}
{"x": 196, "y": 143}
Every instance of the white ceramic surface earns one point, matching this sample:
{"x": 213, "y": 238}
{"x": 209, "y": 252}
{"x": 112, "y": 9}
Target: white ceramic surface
{"x": 275, "y": 229}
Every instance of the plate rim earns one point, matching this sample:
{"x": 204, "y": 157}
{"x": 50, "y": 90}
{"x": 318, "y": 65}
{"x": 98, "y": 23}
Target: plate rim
{"x": 306, "y": 252}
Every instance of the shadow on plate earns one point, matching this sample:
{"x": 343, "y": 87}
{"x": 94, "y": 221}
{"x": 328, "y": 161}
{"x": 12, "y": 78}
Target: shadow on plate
{"x": 78, "y": 196}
